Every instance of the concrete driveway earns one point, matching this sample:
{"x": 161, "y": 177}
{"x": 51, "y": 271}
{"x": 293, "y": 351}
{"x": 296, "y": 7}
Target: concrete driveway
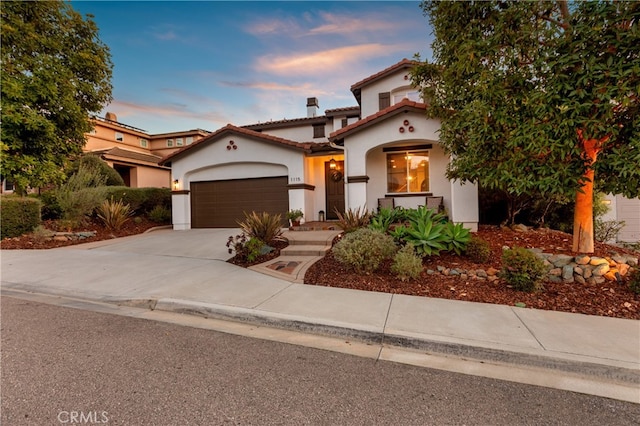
{"x": 194, "y": 243}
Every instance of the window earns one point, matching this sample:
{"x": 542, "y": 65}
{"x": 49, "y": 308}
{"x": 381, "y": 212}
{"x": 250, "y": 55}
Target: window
{"x": 318, "y": 130}
{"x": 405, "y": 93}
{"x": 144, "y": 143}
{"x": 169, "y": 143}
{"x": 345, "y": 122}
{"x": 189, "y": 140}
{"x": 384, "y": 100}
{"x": 119, "y": 137}
{"x": 179, "y": 142}
{"x": 408, "y": 171}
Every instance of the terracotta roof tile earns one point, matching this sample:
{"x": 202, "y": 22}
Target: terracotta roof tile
{"x": 405, "y": 63}
{"x": 399, "y": 107}
{"x": 336, "y": 111}
{"x": 230, "y": 128}
{"x": 128, "y": 154}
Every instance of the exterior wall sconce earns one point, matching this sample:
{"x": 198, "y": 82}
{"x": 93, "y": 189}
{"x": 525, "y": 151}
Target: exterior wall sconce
{"x": 176, "y": 184}
{"x": 332, "y": 164}
{"x": 321, "y": 216}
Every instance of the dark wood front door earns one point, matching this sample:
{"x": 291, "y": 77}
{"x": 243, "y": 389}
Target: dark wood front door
{"x": 334, "y": 184}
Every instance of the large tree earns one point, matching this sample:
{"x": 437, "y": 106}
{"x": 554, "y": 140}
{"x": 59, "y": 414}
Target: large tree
{"x": 538, "y": 98}
{"x": 55, "y": 73}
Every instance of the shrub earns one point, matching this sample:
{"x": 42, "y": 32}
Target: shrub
{"x": 75, "y": 206}
{"x": 607, "y": 230}
{"x": 457, "y": 237}
{"x": 40, "y": 233}
{"x": 160, "y": 214}
{"x": 247, "y": 249}
{"x": 523, "y": 270}
{"x": 114, "y": 214}
{"x": 634, "y": 281}
{"x": 478, "y": 250}
{"x": 141, "y": 200}
{"x": 406, "y": 263}
{"x": 19, "y": 215}
{"x": 382, "y": 220}
{"x": 106, "y": 174}
{"x": 263, "y": 226}
{"x": 364, "y": 249}
{"x": 353, "y": 219}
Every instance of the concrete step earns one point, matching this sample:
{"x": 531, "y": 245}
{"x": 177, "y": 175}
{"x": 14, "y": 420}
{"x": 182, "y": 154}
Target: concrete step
{"x": 305, "y": 250}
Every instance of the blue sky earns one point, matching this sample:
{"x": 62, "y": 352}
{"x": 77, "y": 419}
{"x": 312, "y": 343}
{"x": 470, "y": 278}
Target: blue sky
{"x": 182, "y": 65}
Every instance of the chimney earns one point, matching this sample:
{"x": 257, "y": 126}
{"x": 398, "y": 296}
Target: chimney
{"x": 312, "y": 107}
{"x": 111, "y": 116}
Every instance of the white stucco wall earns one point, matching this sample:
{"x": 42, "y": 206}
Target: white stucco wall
{"x": 250, "y": 160}
{"x": 369, "y": 95}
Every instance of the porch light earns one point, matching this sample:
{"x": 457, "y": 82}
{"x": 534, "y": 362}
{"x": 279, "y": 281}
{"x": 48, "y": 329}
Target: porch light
{"x": 332, "y": 164}
{"x": 176, "y": 184}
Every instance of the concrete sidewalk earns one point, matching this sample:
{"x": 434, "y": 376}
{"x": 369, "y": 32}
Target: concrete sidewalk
{"x": 187, "y": 272}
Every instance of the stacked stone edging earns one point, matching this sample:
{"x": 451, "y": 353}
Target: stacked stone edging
{"x": 582, "y": 269}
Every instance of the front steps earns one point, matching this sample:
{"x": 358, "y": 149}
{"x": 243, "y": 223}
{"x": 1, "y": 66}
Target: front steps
{"x": 305, "y": 248}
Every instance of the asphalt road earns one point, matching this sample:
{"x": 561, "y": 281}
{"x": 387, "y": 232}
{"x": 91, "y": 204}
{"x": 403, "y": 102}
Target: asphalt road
{"x": 69, "y": 366}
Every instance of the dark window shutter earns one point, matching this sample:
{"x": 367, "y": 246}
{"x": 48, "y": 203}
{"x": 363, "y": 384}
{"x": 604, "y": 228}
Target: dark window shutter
{"x": 384, "y": 99}
{"x": 318, "y": 130}
{"x": 345, "y": 123}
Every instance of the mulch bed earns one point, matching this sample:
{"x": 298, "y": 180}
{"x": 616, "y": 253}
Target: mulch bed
{"x": 610, "y": 299}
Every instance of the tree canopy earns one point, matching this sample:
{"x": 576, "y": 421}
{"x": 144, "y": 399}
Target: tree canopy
{"x": 524, "y": 88}
{"x": 55, "y": 74}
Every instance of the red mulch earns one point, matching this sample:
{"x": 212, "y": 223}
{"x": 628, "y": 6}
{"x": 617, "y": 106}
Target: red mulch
{"x": 608, "y": 299}
{"x": 30, "y": 241}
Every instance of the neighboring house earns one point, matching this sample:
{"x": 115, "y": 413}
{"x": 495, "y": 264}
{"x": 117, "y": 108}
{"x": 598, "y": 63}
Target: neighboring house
{"x": 348, "y": 158}
{"x": 134, "y": 153}
{"x": 626, "y": 210}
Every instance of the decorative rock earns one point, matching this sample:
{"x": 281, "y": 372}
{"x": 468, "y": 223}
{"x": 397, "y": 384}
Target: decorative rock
{"x": 631, "y": 261}
{"x": 587, "y": 271}
{"x": 492, "y": 278}
{"x": 440, "y": 268}
{"x": 612, "y": 275}
{"x": 578, "y": 270}
{"x": 599, "y": 280}
{"x": 520, "y": 228}
{"x": 619, "y": 258}
{"x": 430, "y": 272}
{"x": 492, "y": 272}
{"x": 595, "y": 261}
{"x": 601, "y": 269}
{"x": 454, "y": 272}
{"x": 624, "y": 269}
{"x": 567, "y": 273}
{"x": 560, "y": 260}
{"x": 554, "y": 279}
{"x": 481, "y": 273}
{"x": 60, "y": 238}
{"x": 464, "y": 276}
{"x": 579, "y": 279}
{"x": 555, "y": 272}
{"x": 582, "y": 259}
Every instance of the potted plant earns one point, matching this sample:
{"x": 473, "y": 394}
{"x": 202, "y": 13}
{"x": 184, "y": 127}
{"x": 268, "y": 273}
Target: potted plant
{"x": 294, "y": 216}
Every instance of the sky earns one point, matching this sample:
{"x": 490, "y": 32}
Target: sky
{"x": 181, "y": 65}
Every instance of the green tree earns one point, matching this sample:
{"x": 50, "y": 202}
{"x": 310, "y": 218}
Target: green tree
{"x": 55, "y": 73}
{"x": 538, "y": 98}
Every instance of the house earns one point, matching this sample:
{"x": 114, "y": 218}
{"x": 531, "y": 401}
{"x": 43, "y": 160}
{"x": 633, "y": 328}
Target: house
{"x": 134, "y": 153}
{"x": 348, "y": 158}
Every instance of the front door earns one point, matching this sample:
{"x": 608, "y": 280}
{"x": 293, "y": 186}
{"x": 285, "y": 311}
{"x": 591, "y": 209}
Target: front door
{"x": 334, "y": 184}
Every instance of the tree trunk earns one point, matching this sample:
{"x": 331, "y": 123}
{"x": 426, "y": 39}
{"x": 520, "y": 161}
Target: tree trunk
{"x": 583, "y": 240}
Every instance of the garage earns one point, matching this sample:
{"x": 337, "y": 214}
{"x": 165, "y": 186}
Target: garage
{"x": 221, "y": 203}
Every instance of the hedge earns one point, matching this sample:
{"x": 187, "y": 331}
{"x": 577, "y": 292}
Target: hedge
{"x": 18, "y": 215}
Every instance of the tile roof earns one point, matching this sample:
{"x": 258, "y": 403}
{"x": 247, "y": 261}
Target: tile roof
{"x": 129, "y": 155}
{"x": 337, "y": 111}
{"x": 403, "y": 106}
{"x": 230, "y": 128}
{"x": 285, "y": 122}
{"x": 405, "y": 63}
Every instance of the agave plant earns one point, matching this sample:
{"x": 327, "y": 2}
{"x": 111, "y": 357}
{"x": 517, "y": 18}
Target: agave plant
{"x": 382, "y": 220}
{"x": 428, "y": 237}
{"x": 457, "y": 237}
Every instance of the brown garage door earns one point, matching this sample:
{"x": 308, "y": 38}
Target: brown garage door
{"x": 221, "y": 203}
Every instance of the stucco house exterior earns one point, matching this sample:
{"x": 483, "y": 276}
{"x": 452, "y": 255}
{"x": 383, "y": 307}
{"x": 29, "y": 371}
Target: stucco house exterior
{"x": 383, "y": 147}
{"x": 135, "y": 153}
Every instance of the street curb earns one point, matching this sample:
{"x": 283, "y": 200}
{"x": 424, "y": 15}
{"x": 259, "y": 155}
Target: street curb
{"x": 601, "y": 372}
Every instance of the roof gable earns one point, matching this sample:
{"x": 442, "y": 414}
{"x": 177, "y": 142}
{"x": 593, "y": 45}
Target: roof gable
{"x": 231, "y": 129}
{"x": 356, "y": 88}
{"x": 401, "y": 107}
